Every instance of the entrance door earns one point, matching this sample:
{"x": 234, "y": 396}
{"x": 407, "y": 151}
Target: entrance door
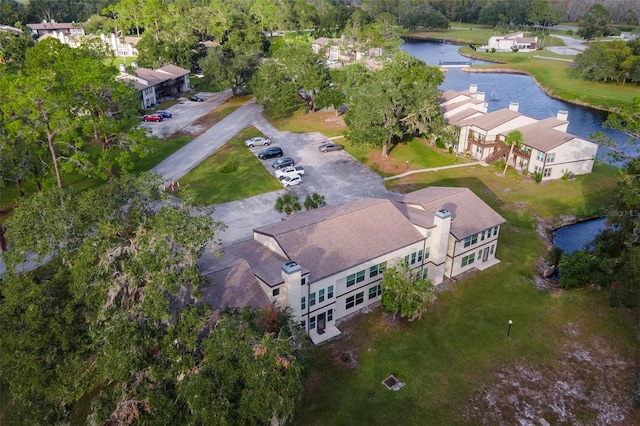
{"x": 485, "y": 255}
{"x": 322, "y": 323}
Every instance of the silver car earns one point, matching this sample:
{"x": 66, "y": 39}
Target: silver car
{"x": 258, "y": 140}
{"x": 326, "y": 147}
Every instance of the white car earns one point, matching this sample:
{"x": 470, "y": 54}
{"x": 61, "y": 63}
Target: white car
{"x": 258, "y": 140}
{"x": 291, "y": 181}
{"x": 289, "y": 171}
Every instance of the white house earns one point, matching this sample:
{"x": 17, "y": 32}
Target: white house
{"x": 121, "y": 47}
{"x": 327, "y": 263}
{"x": 457, "y": 106}
{"x": 547, "y": 148}
{"x": 156, "y": 85}
{"x": 511, "y": 42}
{"x": 66, "y": 32}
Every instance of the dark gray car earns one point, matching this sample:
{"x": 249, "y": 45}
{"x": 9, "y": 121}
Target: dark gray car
{"x": 273, "y": 151}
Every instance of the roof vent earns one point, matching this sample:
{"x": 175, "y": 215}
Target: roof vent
{"x": 291, "y": 267}
{"x": 473, "y": 87}
{"x": 563, "y": 115}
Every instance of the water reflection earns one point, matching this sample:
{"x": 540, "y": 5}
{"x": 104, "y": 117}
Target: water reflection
{"x": 576, "y": 237}
{"x": 501, "y": 89}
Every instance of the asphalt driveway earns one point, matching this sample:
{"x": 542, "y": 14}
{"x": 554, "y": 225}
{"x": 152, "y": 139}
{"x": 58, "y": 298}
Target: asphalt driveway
{"x": 336, "y": 175}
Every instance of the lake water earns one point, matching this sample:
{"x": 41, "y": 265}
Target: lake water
{"x": 501, "y": 89}
{"x": 575, "y": 237}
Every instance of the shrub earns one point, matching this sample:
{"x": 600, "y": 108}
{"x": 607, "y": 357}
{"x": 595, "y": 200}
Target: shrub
{"x": 538, "y": 177}
{"x": 440, "y": 143}
{"x": 570, "y": 32}
{"x": 554, "y": 256}
{"x": 229, "y": 167}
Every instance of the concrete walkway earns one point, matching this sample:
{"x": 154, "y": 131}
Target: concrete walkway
{"x": 436, "y": 169}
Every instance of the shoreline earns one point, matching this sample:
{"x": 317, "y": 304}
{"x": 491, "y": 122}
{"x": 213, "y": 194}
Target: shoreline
{"x": 502, "y": 70}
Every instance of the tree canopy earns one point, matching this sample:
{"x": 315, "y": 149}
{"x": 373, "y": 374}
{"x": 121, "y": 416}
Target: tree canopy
{"x": 399, "y": 99}
{"x": 406, "y": 293}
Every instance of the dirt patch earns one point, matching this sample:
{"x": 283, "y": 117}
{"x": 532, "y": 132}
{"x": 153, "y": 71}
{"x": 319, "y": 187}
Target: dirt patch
{"x": 199, "y": 126}
{"x": 588, "y": 385}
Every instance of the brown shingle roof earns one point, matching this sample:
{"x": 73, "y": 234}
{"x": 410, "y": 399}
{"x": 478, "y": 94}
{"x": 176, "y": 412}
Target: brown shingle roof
{"x": 462, "y": 115}
{"x": 230, "y": 283}
{"x": 491, "y": 120}
{"x": 334, "y": 238}
{"x": 469, "y": 214}
{"x": 542, "y": 135}
{"x": 265, "y": 263}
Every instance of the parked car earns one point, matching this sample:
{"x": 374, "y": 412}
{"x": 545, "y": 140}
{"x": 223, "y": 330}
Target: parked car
{"x": 196, "y": 98}
{"x": 258, "y": 140}
{"x": 326, "y": 147}
{"x": 164, "y": 114}
{"x": 283, "y": 172}
{"x": 283, "y": 162}
{"x": 152, "y": 117}
{"x": 291, "y": 181}
{"x": 273, "y": 151}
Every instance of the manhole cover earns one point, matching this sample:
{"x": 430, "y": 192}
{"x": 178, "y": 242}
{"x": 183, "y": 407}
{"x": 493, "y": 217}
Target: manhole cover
{"x": 390, "y": 382}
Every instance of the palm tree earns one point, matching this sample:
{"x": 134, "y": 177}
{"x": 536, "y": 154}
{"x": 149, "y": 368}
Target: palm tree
{"x": 314, "y": 201}
{"x": 288, "y": 203}
{"x": 514, "y": 138}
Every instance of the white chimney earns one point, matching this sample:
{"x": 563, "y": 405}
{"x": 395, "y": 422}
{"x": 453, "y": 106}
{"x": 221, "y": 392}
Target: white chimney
{"x": 480, "y": 96}
{"x": 563, "y": 115}
{"x": 473, "y": 87}
{"x": 123, "y": 68}
{"x": 134, "y": 65}
{"x": 513, "y": 106}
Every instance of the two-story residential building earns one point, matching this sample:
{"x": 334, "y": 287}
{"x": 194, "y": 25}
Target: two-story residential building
{"x": 457, "y": 106}
{"x": 156, "y": 85}
{"x": 326, "y": 264}
{"x": 66, "y": 32}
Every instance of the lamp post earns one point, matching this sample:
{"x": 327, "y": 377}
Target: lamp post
{"x": 509, "y": 328}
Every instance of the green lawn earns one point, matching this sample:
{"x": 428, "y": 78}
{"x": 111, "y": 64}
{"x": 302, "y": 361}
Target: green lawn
{"x": 246, "y": 178}
{"x": 461, "y": 342}
{"x": 300, "y": 121}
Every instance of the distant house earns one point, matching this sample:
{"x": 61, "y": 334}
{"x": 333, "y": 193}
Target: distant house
{"x": 156, "y": 85}
{"x": 341, "y": 50}
{"x": 327, "y": 263}
{"x": 511, "y": 43}
{"x": 121, "y": 47}
{"x": 66, "y": 33}
{"x": 547, "y": 148}
{"x": 456, "y": 106}
{"x": 14, "y": 30}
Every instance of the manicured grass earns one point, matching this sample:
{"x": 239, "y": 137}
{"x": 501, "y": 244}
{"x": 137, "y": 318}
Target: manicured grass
{"x": 558, "y": 80}
{"x": 480, "y": 34}
{"x": 299, "y": 121}
{"x": 461, "y": 342}
{"x": 212, "y": 185}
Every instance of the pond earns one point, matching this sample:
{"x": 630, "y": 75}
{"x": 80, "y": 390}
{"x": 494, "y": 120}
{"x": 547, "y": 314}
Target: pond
{"x": 575, "y": 237}
{"x": 501, "y": 89}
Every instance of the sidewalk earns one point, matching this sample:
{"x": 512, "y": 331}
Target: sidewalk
{"x": 435, "y": 169}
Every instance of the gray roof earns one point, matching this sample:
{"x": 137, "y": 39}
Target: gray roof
{"x": 543, "y": 136}
{"x": 469, "y": 214}
{"x": 334, "y": 238}
{"x": 462, "y": 115}
{"x": 231, "y": 283}
{"x": 491, "y": 120}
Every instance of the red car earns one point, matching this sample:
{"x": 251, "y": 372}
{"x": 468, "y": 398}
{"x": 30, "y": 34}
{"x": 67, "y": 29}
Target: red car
{"x": 152, "y": 117}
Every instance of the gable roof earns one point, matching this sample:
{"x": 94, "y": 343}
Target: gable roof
{"x": 543, "y": 136}
{"x": 334, "y": 238}
{"x": 230, "y": 283}
{"x": 52, "y": 26}
{"x": 265, "y": 264}
{"x": 469, "y": 214}
{"x": 491, "y": 120}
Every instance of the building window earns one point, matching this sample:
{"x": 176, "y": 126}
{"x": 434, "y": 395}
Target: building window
{"x": 537, "y": 169}
{"x": 425, "y": 273}
{"x": 471, "y": 240}
{"x": 375, "y": 291}
{"x": 547, "y": 172}
{"x": 321, "y": 296}
{"x": 275, "y": 292}
{"x": 303, "y": 280}
{"x": 312, "y": 323}
{"x": 479, "y": 152}
{"x": 303, "y": 324}
{"x": 350, "y": 302}
{"x": 551, "y": 157}
{"x": 482, "y": 236}
{"x": 540, "y": 156}
{"x": 330, "y": 292}
{"x": 492, "y": 247}
{"x": 495, "y": 231}
{"x": 312, "y": 299}
{"x": 373, "y": 271}
{"x": 468, "y": 260}
{"x": 355, "y": 278}
{"x": 303, "y": 303}
{"x": 414, "y": 255}
{"x": 330, "y": 315}
{"x": 428, "y": 234}
{"x": 360, "y": 298}
{"x": 420, "y": 252}
{"x": 406, "y": 259}
{"x": 426, "y": 252}
{"x": 360, "y": 277}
